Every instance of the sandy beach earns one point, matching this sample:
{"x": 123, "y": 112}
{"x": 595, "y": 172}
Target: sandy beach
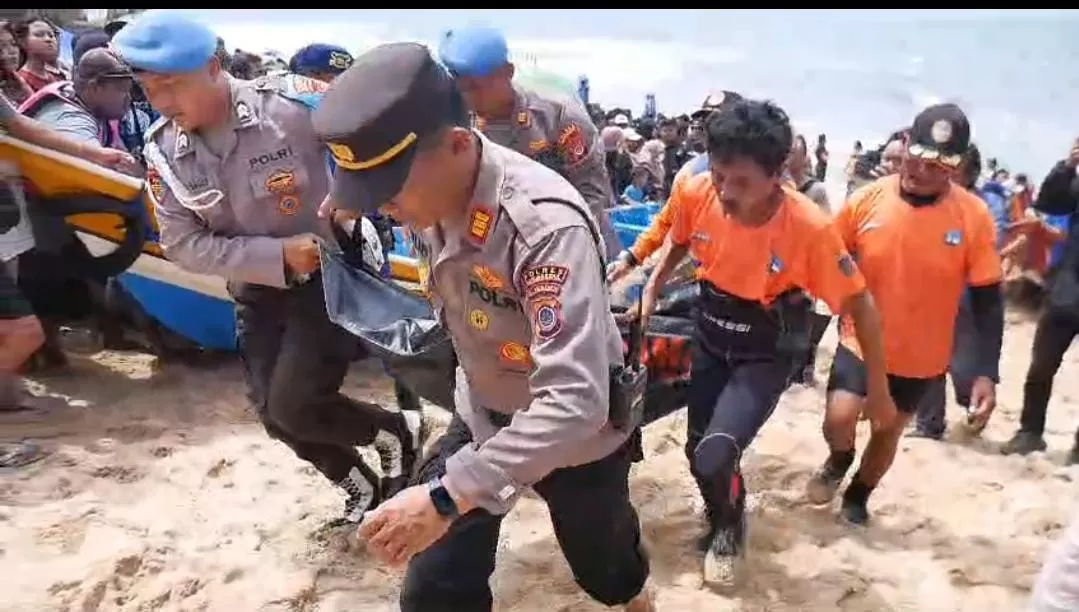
{"x": 162, "y": 493}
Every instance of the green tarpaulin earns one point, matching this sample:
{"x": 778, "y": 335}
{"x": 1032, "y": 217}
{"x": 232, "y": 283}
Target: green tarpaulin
{"x": 542, "y": 81}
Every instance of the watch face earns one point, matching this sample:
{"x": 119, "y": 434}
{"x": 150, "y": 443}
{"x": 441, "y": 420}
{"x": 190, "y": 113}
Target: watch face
{"x": 442, "y": 500}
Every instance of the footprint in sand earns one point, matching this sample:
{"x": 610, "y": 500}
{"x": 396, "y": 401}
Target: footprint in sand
{"x": 123, "y": 474}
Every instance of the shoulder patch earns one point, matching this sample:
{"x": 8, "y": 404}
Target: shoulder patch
{"x": 305, "y": 90}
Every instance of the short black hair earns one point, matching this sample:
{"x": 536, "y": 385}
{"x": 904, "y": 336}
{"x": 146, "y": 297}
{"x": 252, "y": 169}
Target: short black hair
{"x": 754, "y": 129}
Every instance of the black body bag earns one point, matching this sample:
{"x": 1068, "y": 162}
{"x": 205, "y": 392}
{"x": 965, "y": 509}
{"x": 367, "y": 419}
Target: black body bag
{"x": 392, "y": 324}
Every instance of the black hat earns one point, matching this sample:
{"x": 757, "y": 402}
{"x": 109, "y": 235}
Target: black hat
{"x": 940, "y": 133}
{"x": 375, "y": 113}
{"x": 719, "y": 100}
{"x": 99, "y": 64}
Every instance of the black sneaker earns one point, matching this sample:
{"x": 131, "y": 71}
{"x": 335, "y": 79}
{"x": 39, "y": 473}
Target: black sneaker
{"x": 855, "y": 509}
{"x": 1023, "y": 443}
{"x": 363, "y": 495}
{"x": 824, "y": 483}
{"x": 725, "y": 555}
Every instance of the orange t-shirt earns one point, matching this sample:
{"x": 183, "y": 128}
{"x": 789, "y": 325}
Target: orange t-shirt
{"x": 796, "y": 248}
{"x": 917, "y": 262}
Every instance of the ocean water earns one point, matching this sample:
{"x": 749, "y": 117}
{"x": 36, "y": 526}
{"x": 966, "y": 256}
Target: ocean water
{"x": 855, "y": 74}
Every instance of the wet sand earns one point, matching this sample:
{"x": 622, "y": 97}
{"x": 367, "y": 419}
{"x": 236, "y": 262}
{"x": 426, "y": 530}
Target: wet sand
{"x": 162, "y": 493}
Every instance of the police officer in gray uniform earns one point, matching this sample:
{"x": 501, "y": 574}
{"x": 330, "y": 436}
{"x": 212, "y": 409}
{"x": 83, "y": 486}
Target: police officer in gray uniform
{"x": 237, "y": 175}
{"x": 555, "y": 132}
{"x": 516, "y": 275}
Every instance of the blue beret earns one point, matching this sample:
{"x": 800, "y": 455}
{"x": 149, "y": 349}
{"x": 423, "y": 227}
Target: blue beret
{"x": 165, "y": 41}
{"x": 321, "y": 58}
{"x": 473, "y": 51}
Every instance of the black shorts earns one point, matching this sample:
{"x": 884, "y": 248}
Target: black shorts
{"x": 848, "y": 374}
{"x": 13, "y": 304}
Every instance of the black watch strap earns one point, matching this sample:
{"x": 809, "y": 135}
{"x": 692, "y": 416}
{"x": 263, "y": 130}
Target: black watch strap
{"x": 442, "y": 500}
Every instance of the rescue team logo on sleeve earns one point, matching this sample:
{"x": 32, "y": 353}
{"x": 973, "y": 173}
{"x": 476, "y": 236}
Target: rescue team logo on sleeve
{"x": 479, "y": 224}
{"x": 514, "y": 354}
{"x": 488, "y": 278}
{"x": 571, "y": 144}
{"x": 153, "y": 179}
{"x": 523, "y": 119}
{"x": 543, "y": 290}
{"x": 307, "y": 85}
{"x": 846, "y": 265}
{"x": 479, "y": 320}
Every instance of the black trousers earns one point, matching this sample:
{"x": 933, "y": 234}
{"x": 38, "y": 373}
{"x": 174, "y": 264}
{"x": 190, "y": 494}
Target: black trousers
{"x": 594, "y": 522}
{"x": 730, "y": 399}
{"x": 295, "y": 360}
{"x": 1053, "y": 335}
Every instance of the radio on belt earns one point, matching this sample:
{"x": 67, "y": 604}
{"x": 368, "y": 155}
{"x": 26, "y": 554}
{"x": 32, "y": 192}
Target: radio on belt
{"x": 629, "y": 382}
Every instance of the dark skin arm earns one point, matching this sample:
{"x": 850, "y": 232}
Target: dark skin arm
{"x": 38, "y": 133}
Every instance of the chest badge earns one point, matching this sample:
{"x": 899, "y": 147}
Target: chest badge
{"x": 288, "y": 205}
{"x": 514, "y": 353}
{"x": 479, "y": 224}
{"x": 153, "y": 179}
{"x": 479, "y": 320}
{"x": 281, "y": 182}
{"x": 538, "y": 146}
{"x": 953, "y": 238}
{"x": 244, "y": 114}
{"x": 775, "y": 266}
{"x": 488, "y": 278}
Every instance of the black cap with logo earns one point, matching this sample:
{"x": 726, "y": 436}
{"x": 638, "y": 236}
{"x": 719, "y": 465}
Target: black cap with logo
{"x": 716, "y": 101}
{"x": 375, "y": 113}
{"x": 940, "y": 133}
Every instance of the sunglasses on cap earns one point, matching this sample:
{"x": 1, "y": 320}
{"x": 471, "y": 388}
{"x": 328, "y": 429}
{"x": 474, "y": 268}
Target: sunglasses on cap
{"x": 934, "y": 156}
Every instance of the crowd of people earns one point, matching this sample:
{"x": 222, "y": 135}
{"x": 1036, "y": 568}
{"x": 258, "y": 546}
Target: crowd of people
{"x": 505, "y": 193}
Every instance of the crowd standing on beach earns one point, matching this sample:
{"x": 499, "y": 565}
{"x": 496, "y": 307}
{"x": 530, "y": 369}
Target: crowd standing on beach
{"x": 504, "y": 191}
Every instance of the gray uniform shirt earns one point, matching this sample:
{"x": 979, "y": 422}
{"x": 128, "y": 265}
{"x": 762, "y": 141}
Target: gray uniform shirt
{"x": 560, "y": 135}
{"x": 520, "y": 287}
{"x": 269, "y": 180}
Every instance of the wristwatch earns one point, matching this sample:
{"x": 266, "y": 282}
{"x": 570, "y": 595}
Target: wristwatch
{"x": 441, "y": 498}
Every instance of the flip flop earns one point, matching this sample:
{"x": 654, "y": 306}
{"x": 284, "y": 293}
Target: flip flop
{"x": 20, "y": 454}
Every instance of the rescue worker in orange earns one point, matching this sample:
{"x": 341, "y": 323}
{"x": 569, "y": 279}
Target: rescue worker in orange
{"x": 650, "y": 240}
{"x": 760, "y": 245}
{"x": 920, "y": 239}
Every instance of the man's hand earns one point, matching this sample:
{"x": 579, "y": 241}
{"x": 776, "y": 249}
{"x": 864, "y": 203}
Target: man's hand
{"x": 113, "y": 158}
{"x": 301, "y": 253}
{"x": 403, "y": 526}
{"x": 880, "y": 407}
{"x": 617, "y": 269}
{"x": 983, "y": 401}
